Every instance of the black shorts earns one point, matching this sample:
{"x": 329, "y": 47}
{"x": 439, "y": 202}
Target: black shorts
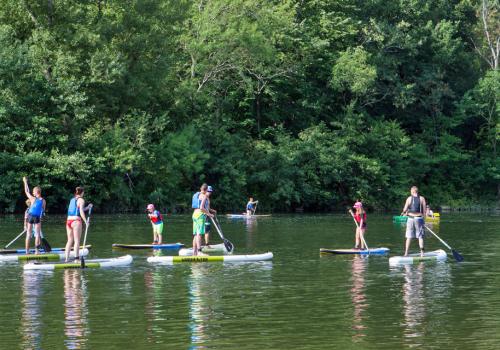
{"x": 33, "y": 219}
{"x": 208, "y": 227}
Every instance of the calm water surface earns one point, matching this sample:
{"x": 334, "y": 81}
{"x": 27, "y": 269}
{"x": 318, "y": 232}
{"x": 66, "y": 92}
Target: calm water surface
{"x": 299, "y": 300}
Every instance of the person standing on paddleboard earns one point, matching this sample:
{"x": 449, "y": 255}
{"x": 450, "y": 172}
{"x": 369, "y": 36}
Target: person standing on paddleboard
{"x": 414, "y": 208}
{"x": 157, "y": 222}
{"x": 251, "y": 206}
{"x": 208, "y": 224}
{"x": 76, "y": 213}
{"x": 199, "y": 204}
{"x": 35, "y": 211}
{"x": 360, "y": 218}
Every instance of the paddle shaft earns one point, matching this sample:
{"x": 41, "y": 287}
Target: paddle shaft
{"x": 435, "y": 235}
{"x": 82, "y": 259}
{"x": 229, "y": 245}
{"x": 257, "y": 203}
{"x": 15, "y": 239}
{"x": 217, "y": 228}
{"x": 360, "y": 233}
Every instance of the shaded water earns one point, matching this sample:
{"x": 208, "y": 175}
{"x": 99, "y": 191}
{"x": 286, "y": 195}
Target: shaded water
{"x": 299, "y": 300}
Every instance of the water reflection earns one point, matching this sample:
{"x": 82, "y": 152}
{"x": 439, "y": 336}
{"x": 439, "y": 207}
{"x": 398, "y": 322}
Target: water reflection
{"x": 358, "y": 296}
{"x": 31, "y": 317}
{"x": 199, "y": 306}
{"x": 155, "y": 311}
{"x": 424, "y": 285}
{"x": 75, "y": 309}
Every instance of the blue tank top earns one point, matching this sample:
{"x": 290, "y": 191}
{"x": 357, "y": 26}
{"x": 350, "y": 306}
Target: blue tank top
{"x": 250, "y": 206}
{"x": 73, "y": 209}
{"x": 36, "y": 207}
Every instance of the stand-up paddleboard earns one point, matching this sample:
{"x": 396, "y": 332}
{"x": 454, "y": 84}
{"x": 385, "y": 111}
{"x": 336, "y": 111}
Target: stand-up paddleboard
{"x": 40, "y": 257}
{"x": 23, "y": 251}
{"x": 166, "y": 246}
{"x": 92, "y": 263}
{"x": 245, "y": 216}
{"x": 220, "y": 258}
{"x": 371, "y": 251}
{"x": 213, "y": 248}
{"x": 436, "y": 255}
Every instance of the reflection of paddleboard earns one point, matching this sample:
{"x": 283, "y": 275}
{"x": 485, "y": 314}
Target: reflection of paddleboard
{"x": 173, "y": 246}
{"x": 214, "y": 248}
{"x": 436, "y": 255}
{"x": 221, "y": 258}
{"x": 92, "y": 263}
{"x": 40, "y": 257}
{"x": 22, "y": 251}
{"x": 244, "y": 216}
{"x": 374, "y": 251}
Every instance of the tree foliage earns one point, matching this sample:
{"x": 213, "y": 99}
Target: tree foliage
{"x": 303, "y": 104}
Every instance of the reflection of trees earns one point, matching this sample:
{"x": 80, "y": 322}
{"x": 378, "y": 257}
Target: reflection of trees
{"x": 75, "y": 309}
{"x": 31, "y": 318}
{"x": 358, "y": 296}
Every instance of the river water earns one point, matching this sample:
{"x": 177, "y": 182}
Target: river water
{"x": 298, "y": 301}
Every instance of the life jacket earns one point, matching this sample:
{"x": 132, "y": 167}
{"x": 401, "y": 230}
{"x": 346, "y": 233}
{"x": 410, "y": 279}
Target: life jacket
{"x": 73, "y": 209}
{"x": 357, "y": 217}
{"x": 36, "y": 207}
{"x": 415, "y": 205}
{"x": 158, "y": 219}
{"x": 250, "y": 206}
{"x": 195, "y": 203}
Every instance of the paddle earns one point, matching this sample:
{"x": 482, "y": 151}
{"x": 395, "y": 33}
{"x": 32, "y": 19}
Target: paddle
{"x": 229, "y": 246}
{"x": 15, "y": 239}
{"x": 256, "y": 203}
{"x": 360, "y": 233}
{"x": 456, "y": 254}
{"x": 82, "y": 259}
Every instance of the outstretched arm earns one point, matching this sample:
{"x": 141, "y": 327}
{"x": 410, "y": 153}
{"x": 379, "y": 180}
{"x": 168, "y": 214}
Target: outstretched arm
{"x": 27, "y": 189}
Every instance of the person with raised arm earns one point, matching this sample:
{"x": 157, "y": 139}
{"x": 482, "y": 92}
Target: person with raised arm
{"x": 35, "y": 211}
{"x": 199, "y": 204}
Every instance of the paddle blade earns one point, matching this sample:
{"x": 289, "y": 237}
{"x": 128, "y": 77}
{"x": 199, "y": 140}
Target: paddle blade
{"x": 457, "y": 255}
{"x": 46, "y": 246}
{"x": 229, "y": 246}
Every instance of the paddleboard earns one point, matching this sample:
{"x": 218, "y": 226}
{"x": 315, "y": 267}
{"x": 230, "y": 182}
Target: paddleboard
{"x": 166, "y": 246}
{"x": 436, "y": 255}
{"x": 371, "y": 251}
{"x": 22, "y": 251}
{"x": 214, "y": 248}
{"x": 244, "y": 216}
{"x": 212, "y": 258}
{"x": 91, "y": 263}
{"x": 40, "y": 257}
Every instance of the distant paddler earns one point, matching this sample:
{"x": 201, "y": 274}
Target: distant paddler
{"x": 251, "y": 206}
{"x": 414, "y": 208}
{"x": 208, "y": 224}
{"x": 199, "y": 204}
{"x": 360, "y": 218}
{"x": 157, "y": 223}
{"x": 428, "y": 212}
{"x": 76, "y": 214}
{"x": 35, "y": 211}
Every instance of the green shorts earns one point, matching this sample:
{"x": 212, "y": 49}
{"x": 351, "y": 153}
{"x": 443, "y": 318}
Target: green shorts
{"x": 158, "y": 228}
{"x": 199, "y": 223}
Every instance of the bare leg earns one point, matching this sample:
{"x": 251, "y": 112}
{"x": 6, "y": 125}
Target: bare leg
{"x": 69, "y": 243}
{"x": 356, "y": 242}
{"x": 407, "y": 246}
{"x": 362, "y": 233}
{"x": 195, "y": 245}
{"x": 421, "y": 244}
{"x": 77, "y": 234}
{"x": 206, "y": 238}
{"x": 38, "y": 230}
{"x": 28, "y": 236}
{"x": 160, "y": 238}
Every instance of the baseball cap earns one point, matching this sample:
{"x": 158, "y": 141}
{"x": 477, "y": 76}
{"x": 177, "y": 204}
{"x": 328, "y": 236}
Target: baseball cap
{"x": 358, "y": 205}
{"x": 150, "y": 206}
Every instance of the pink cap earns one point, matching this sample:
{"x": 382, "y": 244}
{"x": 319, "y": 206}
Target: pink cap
{"x": 151, "y": 206}
{"x": 358, "y": 205}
